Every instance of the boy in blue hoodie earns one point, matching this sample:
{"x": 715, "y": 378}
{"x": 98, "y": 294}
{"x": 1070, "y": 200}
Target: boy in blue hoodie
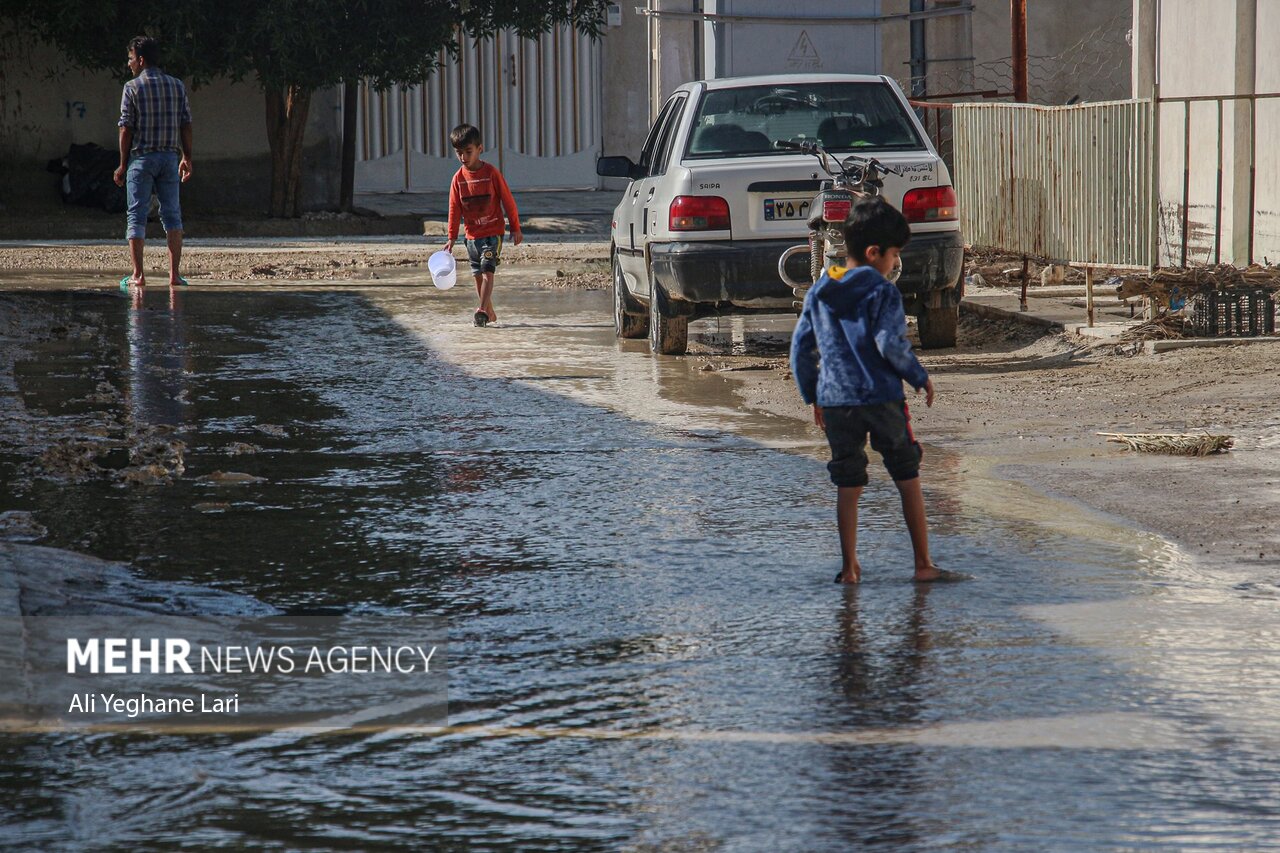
{"x": 850, "y": 356}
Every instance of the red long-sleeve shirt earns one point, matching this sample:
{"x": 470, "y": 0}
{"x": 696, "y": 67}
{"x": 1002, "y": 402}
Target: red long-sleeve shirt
{"x": 478, "y": 199}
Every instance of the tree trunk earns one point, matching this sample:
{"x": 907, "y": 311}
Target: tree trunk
{"x": 347, "y": 192}
{"x": 286, "y": 123}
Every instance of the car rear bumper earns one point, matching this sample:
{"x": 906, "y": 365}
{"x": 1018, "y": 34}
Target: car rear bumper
{"x": 744, "y": 273}
{"x": 741, "y": 273}
{"x": 931, "y": 262}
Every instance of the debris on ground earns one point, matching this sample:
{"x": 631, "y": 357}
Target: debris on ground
{"x": 231, "y": 478}
{"x": 20, "y": 526}
{"x": 72, "y": 459}
{"x": 1164, "y": 328}
{"x": 152, "y": 474}
{"x": 286, "y": 260}
{"x": 1172, "y": 443}
{"x": 239, "y": 448}
{"x": 1164, "y": 282}
{"x": 577, "y": 281}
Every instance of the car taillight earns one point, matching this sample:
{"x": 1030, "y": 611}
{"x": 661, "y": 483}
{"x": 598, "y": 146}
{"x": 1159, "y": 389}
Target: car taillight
{"x": 835, "y": 211}
{"x": 699, "y": 213}
{"x": 930, "y": 204}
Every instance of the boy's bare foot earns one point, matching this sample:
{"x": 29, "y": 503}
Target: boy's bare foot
{"x": 933, "y": 574}
{"x": 849, "y": 575}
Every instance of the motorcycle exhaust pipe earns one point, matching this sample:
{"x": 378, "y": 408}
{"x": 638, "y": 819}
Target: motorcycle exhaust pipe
{"x": 797, "y": 287}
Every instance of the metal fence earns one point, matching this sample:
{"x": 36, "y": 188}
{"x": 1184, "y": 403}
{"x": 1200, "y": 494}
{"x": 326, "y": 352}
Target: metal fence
{"x": 1095, "y": 68}
{"x": 1209, "y": 214}
{"x": 1073, "y": 184}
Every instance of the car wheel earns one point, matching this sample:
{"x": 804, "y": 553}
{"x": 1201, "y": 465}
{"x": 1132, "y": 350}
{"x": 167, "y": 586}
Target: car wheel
{"x": 626, "y": 322}
{"x": 668, "y": 333}
{"x": 938, "y": 326}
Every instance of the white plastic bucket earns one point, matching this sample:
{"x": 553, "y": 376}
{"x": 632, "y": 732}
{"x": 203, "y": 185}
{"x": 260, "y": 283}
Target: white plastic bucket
{"x": 444, "y": 269}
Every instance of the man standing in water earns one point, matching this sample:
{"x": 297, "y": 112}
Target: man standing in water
{"x": 155, "y": 153}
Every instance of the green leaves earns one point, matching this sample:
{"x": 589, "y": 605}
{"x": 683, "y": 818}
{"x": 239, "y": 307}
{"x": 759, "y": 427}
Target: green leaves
{"x": 308, "y": 43}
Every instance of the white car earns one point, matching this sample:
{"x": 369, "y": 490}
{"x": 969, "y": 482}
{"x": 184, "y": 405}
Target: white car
{"x": 713, "y": 202}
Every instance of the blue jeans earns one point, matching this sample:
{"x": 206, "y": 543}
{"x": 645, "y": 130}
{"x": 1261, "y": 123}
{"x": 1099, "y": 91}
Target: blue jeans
{"x": 158, "y": 171}
{"x": 485, "y": 253}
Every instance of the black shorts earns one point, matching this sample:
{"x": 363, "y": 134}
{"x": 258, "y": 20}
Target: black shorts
{"x": 888, "y": 424}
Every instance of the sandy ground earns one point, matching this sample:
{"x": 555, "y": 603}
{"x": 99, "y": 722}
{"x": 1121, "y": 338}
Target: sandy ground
{"x": 1020, "y": 404}
{"x": 283, "y": 260}
{"x": 1025, "y": 406}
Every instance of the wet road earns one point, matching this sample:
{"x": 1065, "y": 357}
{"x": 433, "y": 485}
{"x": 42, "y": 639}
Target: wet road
{"x": 646, "y": 649}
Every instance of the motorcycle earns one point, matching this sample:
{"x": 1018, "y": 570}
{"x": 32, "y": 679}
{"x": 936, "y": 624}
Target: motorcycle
{"x": 853, "y": 178}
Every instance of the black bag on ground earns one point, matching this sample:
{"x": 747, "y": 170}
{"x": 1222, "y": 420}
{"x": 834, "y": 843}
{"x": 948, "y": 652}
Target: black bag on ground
{"x": 87, "y": 172}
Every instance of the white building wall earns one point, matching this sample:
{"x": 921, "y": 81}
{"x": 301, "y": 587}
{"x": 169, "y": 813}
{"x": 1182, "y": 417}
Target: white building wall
{"x": 1218, "y": 48}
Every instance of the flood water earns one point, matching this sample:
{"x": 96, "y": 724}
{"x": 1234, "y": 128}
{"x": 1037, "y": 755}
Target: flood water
{"x": 646, "y": 651}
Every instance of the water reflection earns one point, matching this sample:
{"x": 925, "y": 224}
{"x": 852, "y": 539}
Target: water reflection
{"x": 879, "y": 673}
{"x": 640, "y": 613}
{"x": 158, "y": 358}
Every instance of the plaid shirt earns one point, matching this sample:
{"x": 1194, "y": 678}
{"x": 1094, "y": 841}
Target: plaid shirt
{"x": 155, "y": 107}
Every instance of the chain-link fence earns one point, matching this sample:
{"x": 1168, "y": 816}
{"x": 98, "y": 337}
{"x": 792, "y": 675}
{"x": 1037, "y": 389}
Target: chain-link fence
{"x": 1096, "y": 67}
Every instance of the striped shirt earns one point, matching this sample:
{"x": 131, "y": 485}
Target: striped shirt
{"x": 154, "y": 106}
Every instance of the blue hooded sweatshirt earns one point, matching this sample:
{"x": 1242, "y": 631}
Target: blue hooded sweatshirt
{"x": 850, "y": 347}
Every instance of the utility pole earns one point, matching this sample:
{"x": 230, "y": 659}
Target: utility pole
{"x": 918, "y": 53}
{"x": 1018, "y": 17}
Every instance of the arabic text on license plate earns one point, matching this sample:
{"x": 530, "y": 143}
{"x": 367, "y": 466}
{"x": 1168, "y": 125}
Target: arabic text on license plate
{"x": 786, "y": 208}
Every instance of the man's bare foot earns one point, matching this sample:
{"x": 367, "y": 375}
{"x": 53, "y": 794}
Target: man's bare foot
{"x": 493, "y": 315}
{"x": 850, "y": 575}
{"x": 933, "y": 574}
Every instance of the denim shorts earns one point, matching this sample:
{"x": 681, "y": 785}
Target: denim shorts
{"x": 154, "y": 171}
{"x": 888, "y": 424}
{"x": 485, "y": 253}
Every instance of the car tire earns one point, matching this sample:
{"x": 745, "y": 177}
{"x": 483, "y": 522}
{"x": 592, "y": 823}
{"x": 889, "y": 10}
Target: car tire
{"x": 668, "y": 333}
{"x": 627, "y": 323}
{"x": 938, "y": 326}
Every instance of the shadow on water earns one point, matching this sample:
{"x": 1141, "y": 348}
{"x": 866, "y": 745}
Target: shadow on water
{"x": 600, "y": 574}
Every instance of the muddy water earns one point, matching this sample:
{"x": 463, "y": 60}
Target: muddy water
{"x": 646, "y": 649}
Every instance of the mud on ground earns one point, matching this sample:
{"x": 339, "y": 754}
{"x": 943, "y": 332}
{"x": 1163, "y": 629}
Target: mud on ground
{"x": 1023, "y": 404}
{"x": 104, "y": 443}
{"x": 281, "y": 261}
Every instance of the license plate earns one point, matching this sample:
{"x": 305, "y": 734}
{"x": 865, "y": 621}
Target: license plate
{"x": 786, "y": 208}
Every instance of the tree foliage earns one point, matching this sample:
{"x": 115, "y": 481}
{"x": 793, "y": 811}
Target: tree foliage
{"x": 291, "y": 48}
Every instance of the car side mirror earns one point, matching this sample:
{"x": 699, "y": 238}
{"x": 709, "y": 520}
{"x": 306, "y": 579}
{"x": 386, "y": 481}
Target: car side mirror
{"x": 617, "y": 167}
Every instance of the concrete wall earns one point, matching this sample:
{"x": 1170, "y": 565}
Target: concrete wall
{"x": 1213, "y": 48}
{"x": 740, "y": 48}
{"x": 1267, "y": 80}
{"x": 680, "y": 57}
{"x": 44, "y": 108}
{"x": 626, "y": 68}
{"x": 1075, "y": 48}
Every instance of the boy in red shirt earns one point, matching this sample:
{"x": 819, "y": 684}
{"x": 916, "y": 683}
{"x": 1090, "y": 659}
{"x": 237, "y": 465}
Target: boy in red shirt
{"x": 478, "y": 195}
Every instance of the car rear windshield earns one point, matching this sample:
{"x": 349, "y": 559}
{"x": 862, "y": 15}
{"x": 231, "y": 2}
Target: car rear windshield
{"x": 748, "y": 121}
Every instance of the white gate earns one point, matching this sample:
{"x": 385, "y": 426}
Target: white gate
{"x": 536, "y": 102}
